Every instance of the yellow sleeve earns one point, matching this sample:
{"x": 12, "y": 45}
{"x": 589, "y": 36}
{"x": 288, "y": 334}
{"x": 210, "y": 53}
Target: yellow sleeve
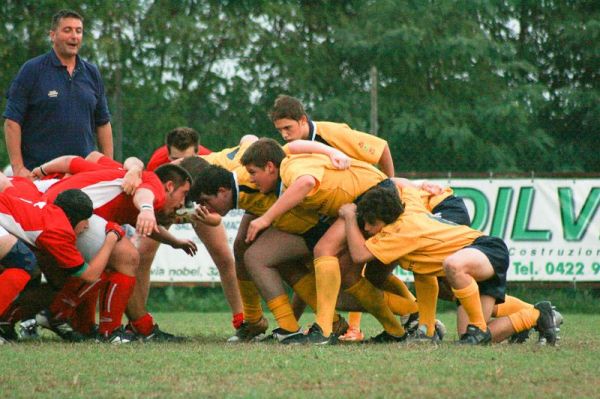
{"x": 295, "y": 166}
{"x": 354, "y": 143}
{"x": 393, "y": 242}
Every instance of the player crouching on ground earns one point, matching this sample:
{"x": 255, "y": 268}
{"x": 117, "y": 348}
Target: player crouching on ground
{"x": 474, "y": 264}
{"x": 52, "y": 228}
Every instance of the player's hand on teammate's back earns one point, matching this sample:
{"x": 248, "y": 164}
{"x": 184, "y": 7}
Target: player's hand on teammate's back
{"x": 131, "y": 181}
{"x": 340, "y": 160}
{"x": 146, "y": 222}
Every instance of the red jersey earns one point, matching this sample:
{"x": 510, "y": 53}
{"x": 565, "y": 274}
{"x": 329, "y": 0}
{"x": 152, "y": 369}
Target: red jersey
{"x": 23, "y": 188}
{"x": 43, "y": 226}
{"x": 161, "y": 156}
{"x": 103, "y": 186}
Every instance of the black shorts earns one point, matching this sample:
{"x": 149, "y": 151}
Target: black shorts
{"x": 454, "y": 210}
{"x": 312, "y": 236}
{"x": 496, "y": 251}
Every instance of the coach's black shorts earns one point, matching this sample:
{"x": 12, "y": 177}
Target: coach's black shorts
{"x": 312, "y": 236}
{"x": 496, "y": 251}
{"x": 454, "y": 210}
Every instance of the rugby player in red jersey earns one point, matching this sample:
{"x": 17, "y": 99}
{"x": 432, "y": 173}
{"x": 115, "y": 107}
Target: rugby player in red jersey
{"x": 163, "y": 192}
{"x": 52, "y": 228}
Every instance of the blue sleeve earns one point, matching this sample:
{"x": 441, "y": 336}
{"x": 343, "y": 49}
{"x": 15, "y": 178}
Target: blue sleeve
{"x": 18, "y": 94}
{"x": 101, "y": 114}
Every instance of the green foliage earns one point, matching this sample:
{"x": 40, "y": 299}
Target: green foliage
{"x": 477, "y": 86}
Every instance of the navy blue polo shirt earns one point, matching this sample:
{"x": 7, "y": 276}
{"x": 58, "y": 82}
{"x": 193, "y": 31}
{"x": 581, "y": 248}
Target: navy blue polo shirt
{"x": 58, "y": 112}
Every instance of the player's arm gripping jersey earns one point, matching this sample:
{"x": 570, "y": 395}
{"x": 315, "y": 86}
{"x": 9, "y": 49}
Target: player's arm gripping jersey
{"x": 333, "y": 187}
{"x": 296, "y": 221}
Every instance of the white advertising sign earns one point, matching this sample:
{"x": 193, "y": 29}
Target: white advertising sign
{"x": 551, "y": 227}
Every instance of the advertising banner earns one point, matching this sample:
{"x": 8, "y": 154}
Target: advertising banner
{"x": 551, "y": 227}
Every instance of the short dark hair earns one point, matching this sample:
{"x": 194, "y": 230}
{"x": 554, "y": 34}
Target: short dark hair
{"x": 379, "y": 203}
{"x": 194, "y": 165}
{"x": 287, "y": 107}
{"x": 75, "y": 204}
{"x": 262, "y": 151}
{"x": 174, "y": 173}
{"x": 182, "y": 138}
{"x": 64, "y": 14}
{"x": 210, "y": 180}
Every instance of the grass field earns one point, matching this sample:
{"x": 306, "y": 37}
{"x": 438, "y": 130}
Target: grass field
{"x": 206, "y": 366}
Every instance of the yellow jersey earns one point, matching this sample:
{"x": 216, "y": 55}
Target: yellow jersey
{"x": 418, "y": 240}
{"x": 358, "y": 145}
{"x": 228, "y": 158}
{"x": 333, "y": 187}
{"x": 246, "y": 196}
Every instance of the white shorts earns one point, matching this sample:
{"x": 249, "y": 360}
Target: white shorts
{"x": 91, "y": 240}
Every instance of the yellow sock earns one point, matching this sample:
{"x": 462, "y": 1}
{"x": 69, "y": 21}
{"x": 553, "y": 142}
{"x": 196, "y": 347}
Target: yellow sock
{"x": 283, "y": 313}
{"x": 427, "y": 293}
{"x": 511, "y": 305}
{"x": 354, "y": 320}
{"x": 328, "y": 282}
{"x": 372, "y": 299}
{"x": 306, "y": 289}
{"x": 398, "y": 305}
{"x": 469, "y": 299}
{"x": 250, "y": 301}
{"x": 396, "y": 286}
{"x": 524, "y": 319}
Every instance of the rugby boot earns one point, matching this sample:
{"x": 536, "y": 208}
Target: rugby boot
{"x": 474, "y": 336}
{"x": 62, "y": 328}
{"x": 117, "y": 337}
{"x": 286, "y": 337}
{"x": 420, "y": 336}
{"x": 7, "y": 332}
{"x": 546, "y": 323}
{"x": 158, "y": 335}
{"x": 386, "y": 338}
{"x": 250, "y": 331}
{"x": 340, "y": 327}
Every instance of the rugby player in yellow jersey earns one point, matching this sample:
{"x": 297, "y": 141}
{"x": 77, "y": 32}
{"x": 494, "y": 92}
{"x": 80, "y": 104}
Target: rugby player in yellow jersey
{"x": 289, "y": 241}
{"x": 314, "y": 184}
{"x": 292, "y": 122}
{"x": 290, "y": 118}
{"x": 474, "y": 264}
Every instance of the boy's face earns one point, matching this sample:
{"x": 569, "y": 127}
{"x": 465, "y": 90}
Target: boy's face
{"x": 220, "y": 203}
{"x": 291, "y": 129}
{"x": 264, "y": 178}
{"x": 373, "y": 228}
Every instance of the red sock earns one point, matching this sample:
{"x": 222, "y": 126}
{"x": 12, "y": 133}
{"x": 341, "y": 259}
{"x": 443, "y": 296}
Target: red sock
{"x": 71, "y": 295}
{"x": 237, "y": 320}
{"x": 84, "y": 319}
{"x": 113, "y": 301}
{"x": 144, "y": 325}
{"x": 12, "y": 282}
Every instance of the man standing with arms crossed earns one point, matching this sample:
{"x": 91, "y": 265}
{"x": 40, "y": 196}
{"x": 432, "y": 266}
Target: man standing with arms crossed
{"x": 55, "y": 103}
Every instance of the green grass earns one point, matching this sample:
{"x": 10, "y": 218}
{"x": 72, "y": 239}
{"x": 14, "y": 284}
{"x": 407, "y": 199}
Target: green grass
{"x": 206, "y": 366}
